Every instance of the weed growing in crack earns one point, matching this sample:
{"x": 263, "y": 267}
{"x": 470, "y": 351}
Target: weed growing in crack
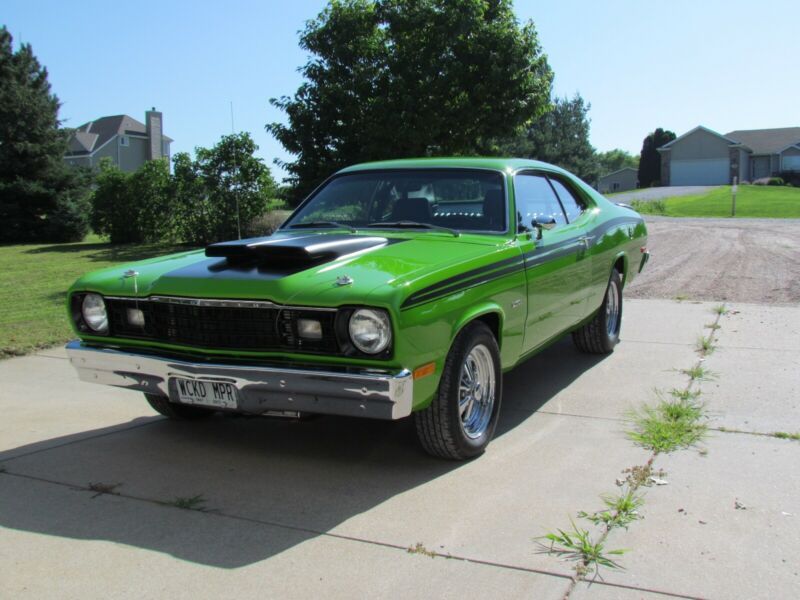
{"x": 621, "y": 510}
{"x": 189, "y": 503}
{"x": 721, "y": 309}
{"x": 712, "y": 326}
{"x": 698, "y": 373}
{"x": 419, "y": 548}
{"x": 668, "y": 425}
{"x": 103, "y": 488}
{"x": 640, "y": 475}
{"x": 705, "y": 345}
{"x": 688, "y": 395}
{"x": 783, "y": 435}
{"x": 577, "y": 545}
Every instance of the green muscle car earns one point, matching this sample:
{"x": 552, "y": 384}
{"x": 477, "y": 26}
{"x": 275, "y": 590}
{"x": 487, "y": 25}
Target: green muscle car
{"x": 397, "y": 288}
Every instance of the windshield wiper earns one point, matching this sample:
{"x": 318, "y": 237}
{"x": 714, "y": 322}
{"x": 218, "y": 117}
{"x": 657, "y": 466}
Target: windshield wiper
{"x": 413, "y": 225}
{"x": 310, "y": 224}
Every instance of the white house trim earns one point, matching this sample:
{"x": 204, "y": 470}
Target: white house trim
{"x": 698, "y": 128}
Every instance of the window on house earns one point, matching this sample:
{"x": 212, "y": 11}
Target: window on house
{"x": 124, "y": 140}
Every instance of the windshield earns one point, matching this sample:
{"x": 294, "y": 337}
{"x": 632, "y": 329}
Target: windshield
{"x": 456, "y": 199}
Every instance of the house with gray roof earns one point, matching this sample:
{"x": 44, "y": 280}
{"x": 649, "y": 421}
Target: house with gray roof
{"x": 622, "y": 180}
{"x": 704, "y": 157}
{"x": 123, "y": 139}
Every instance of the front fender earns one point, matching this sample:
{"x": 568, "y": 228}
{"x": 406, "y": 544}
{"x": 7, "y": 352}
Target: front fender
{"x": 476, "y": 312}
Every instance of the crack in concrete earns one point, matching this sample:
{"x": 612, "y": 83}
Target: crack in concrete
{"x": 120, "y": 429}
{"x": 342, "y": 537}
{"x": 704, "y": 353}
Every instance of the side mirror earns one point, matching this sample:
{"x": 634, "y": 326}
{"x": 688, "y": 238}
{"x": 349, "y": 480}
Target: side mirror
{"x": 542, "y": 222}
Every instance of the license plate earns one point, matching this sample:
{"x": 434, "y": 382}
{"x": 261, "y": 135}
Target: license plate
{"x": 217, "y": 394}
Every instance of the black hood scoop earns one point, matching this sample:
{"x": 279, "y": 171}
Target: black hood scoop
{"x": 293, "y": 250}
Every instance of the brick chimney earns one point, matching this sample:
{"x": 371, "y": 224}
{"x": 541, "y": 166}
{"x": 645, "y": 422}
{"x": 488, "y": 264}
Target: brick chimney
{"x": 155, "y": 132}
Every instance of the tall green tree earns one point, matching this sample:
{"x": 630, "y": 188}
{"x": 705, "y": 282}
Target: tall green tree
{"x": 398, "y": 78}
{"x": 560, "y": 137}
{"x": 113, "y": 211}
{"x": 40, "y": 198}
{"x": 220, "y": 192}
{"x": 614, "y": 160}
{"x": 650, "y": 161}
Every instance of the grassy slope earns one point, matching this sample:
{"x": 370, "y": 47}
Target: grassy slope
{"x": 751, "y": 201}
{"x": 33, "y": 284}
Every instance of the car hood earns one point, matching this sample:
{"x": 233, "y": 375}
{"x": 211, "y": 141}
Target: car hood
{"x": 308, "y": 268}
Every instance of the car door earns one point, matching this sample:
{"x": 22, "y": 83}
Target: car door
{"x": 555, "y": 269}
{"x": 575, "y": 207}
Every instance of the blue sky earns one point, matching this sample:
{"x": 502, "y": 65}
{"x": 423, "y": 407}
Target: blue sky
{"x": 676, "y": 64}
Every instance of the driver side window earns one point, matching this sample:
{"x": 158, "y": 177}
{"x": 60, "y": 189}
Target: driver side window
{"x": 536, "y": 198}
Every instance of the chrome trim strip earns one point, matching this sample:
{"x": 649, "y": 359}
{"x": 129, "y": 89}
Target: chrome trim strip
{"x": 261, "y": 388}
{"x": 219, "y": 303}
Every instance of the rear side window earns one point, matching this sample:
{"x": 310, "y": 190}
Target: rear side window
{"x": 572, "y": 205}
{"x": 535, "y": 198}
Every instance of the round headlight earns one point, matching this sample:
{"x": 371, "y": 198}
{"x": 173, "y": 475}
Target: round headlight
{"x": 94, "y": 313}
{"x": 370, "y": 330}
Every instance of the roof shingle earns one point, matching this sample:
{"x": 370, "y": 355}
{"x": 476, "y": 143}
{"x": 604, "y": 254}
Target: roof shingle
{"x": 766, "y": 141}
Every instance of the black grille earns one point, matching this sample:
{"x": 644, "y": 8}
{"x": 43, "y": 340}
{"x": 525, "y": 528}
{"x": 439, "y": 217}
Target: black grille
{"x": 221, "y": 327}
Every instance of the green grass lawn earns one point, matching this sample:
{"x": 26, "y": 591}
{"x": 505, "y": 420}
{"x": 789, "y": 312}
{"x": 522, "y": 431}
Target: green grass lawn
{"x": 34, "y": 280}
{"x": 780, "y": 202}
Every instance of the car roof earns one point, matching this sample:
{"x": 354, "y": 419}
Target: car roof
{"x": 493, "y": 163}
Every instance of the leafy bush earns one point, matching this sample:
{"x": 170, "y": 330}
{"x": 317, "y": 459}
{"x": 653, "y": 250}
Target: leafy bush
{"x": 775, "y": 181}
{"x": 135, "y": 207}
{"x": 266, "y": 224}
{"x": 222, "y": 191}
{"x": 650, "y": 207}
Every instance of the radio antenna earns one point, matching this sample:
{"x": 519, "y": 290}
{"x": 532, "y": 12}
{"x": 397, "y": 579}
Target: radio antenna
{"x": 235, "y": 175}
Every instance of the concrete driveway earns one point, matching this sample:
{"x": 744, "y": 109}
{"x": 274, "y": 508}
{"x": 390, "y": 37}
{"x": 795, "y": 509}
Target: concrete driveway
{"x": 343, "y": 508}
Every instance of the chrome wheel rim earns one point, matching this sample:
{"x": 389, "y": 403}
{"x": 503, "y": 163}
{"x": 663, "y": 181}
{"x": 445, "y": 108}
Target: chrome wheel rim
{"x": 476, "y": 392}
{"x": 612, "y": 309}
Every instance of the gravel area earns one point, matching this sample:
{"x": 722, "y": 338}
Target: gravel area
{"x": 661, "y": 193}
{"x": 742, "y": 260}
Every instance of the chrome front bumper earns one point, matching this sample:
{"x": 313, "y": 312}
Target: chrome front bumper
{"x": 263, "y": 389}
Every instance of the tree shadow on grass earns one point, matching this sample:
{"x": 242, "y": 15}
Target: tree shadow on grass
{"x": 269, "y": 484}
{"x": 104, "y": 252}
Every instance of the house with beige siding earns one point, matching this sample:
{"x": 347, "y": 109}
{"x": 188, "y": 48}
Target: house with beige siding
{"x": 123, "y": 139}
{"x": 704, "y": 157}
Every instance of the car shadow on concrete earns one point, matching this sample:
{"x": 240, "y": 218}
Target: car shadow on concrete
{"x": 269, "y": 484}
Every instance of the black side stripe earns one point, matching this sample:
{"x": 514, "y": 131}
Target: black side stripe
{"x": 455, "y": 279}
{"x": 534, "y": 259}
{"x": 487, "y": 273}
{"x": 436, "y": 295}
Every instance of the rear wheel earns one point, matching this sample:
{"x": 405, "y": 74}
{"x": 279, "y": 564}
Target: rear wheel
{"x": 601, "y": 334}
{"x": 173, "y": 410}
{"x": 461, "y": 420}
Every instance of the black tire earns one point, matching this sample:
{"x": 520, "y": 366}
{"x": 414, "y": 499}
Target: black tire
{"x": 439, "y": 427}
{"x": 601, "y": 334}
{"x": 179, "y": 412}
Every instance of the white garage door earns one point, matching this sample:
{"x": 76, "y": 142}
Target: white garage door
{"x": 791, "y": 163}
{"x": 705, "y": 171}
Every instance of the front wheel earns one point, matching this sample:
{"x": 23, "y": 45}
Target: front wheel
{"x": 461, "y": 420}
{"x": 601, "y": 334}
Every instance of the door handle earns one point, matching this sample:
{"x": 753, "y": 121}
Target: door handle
{"x": 586, "y": 240}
